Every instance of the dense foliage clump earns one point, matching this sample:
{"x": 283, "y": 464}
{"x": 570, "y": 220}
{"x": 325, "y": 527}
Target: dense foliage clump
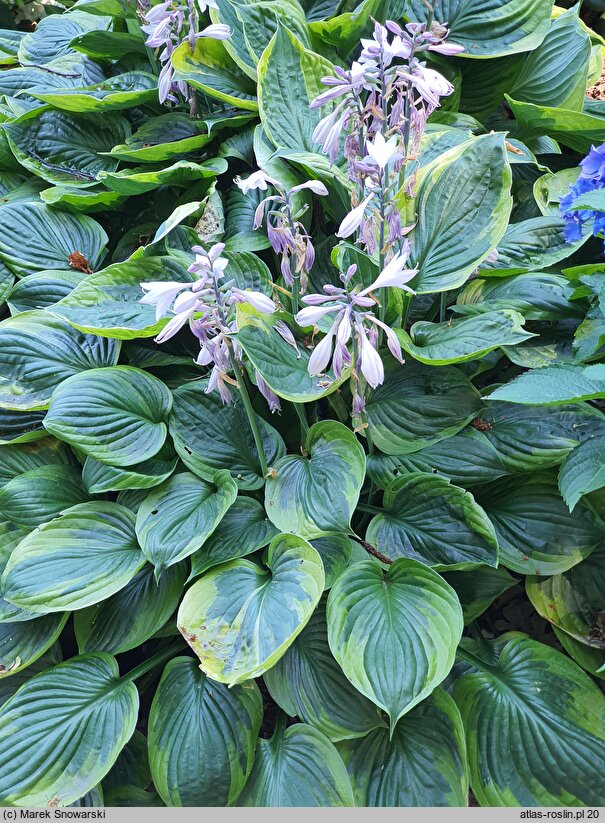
{"x": 301, "y": 440}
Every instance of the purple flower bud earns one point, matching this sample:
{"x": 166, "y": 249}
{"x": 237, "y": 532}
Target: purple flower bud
{"x": 270, "y": 396}
{"x": 286, "y": 271}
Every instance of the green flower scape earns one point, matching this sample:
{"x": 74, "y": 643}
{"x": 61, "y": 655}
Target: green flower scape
{"x": 302, "y": 370}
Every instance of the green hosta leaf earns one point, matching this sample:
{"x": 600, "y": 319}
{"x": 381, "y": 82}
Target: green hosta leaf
{"x": 9, "y": 45}
{"x": 108, "y": 45}
{"x": 253, "y": 24}
{"x": 100, "y": 477}
{"x": 577, "y": 130}
{"x": 470, "y": 338}
{"x": 423, "y": 764}
{"x": 35, "y": 238}
{"x": 67, "y": 726}
{"x": 594, "y": 200}
{"x": 335, "y": 551}
{"x": 555, "y": 73}
{"x": 131, "y": 767}
{"x": 289, "y": 77}
{"x": 418, "y": 406}
{"x": 394, "y": 633}
{"x": 283, "y": 367}
{"x": 427, "y": 519}
{"x": 163, "y": 138}
{"x": 297, "y": 767}
{"x": 10, "y": 537}
{"x": 210, "y": 436}
{"x": 489, "y": 29}
{"x": 40, "y": 494}
{"x": 115, "y": 415}
{"x": 123, "y": 91}
{"x": 583, "y": 471}
{"x": 194, "y": 721}
{"x": 53, "y": 36}
{"x": 176, "y": 518}
{"x": 477, "y": 591}
{"x": 210, "y": 69}
{"x": 78, "y": 559}
{"x": 20, "y": 427}
{"x": 463, "y": 205}
{"x": 574, "y": 600}
{"x": 108, "y": 302}
{"x": 132, "y": 615}
{"x": 66, "y": 148}
{"x": 39, "y": 352}
{"x": 308, "y": 683}
{"x": 536, "y": 295}
{"x": 533, "y": 244}
{"x": 22, "y": 643}
{"x": 85, "y": 200}
{"x": 317, "y": 494}
{"x": 591, "y": 660}
{"x": 143, "y": 179}
{"x": 10, "y": 685}
{"x": 529, "y": 715}
{"x": 21, "y": 458}
{"x": 565, "y": 383}
{"x": 536, "y": 532}
{"x": 240, "y": 617}
{"x": 244, "y": 529}
{"x": 39, "y": 291}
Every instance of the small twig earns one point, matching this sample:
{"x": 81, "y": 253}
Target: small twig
{"x": 371, "y": 550}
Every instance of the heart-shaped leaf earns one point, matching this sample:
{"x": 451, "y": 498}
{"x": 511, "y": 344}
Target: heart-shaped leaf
{"x": 132, "y": 615}
{"x": 240, "y": 617}
{"x": 575, "y": 600}
{"x": 307, "y": 682}
{"x": 244, "y": 529}
{"x": 210, "y": 436}
{"x": 529, "y": 712}
{"x": 422, "y": 764}
{"x": 78, "y": 559}
{"x": 297, "y": 767}
{"x": 178, "y": 516}
{"x": 34, "y": 237}
{"x": 67, "y": 726}
{"x": 38, "y": 495}
{"x": 197, "y": 722}
{"x": 418, "y": 406}
{"x": 315, "y": 495}
{"x": 426, "y": 518}
{"x": 22, "y": 643}
{"x": 115, "y": 415}
{"x": 536, "y": 532}
{"x": 38, "y": 352}
{"x": 394, "y": 633}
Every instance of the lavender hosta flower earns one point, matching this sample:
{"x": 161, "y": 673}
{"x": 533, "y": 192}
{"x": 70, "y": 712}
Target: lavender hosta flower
{"x": 286, "y": 234}
{"x": 382, "y": 152}
{"x": 430, "y": 84}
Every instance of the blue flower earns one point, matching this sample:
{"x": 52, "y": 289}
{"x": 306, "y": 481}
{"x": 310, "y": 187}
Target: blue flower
{"x": 592, "y": 177}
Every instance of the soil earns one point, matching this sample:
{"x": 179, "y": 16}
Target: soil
{"x": 597, "y": 92}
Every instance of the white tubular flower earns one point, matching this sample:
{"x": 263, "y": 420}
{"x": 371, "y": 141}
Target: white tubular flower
{"x": 321, "y": 354}
{"x": 394, "y": 274}
{"x": 257, "y": 180}
{"x": 430, "y": 84}
{"x": 315, "y": 186}
{"x": 383, "y": 151}
{"x": 310, "y": 315}
{"x": 256, "y": 299}
{"x": 217, "y": 31}
{"x": 371, "y": 364}
{"x": 354, "y": 218}
{"x": 161, "y": 294}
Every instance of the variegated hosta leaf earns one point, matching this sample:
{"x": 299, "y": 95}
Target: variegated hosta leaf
{"x": 22, "y": 643}
{"x": 23, "y": 457}
{"x": 394, "y": 633}
{"x": 66, "y": 727}
{"x": 308, "y": 683}
{"x": 132, "y": 615}
{"x": 244, "y": 529}
{"x": 210, "y": 436}
{"x": 574, "y": 600}
{"x": 427, "y": 518}
{"x": 316, "y": 494}
{"x": 115, "y": 415}
{"x": 422, "y": 764}
{"x": 78, "y": 559}
{"x": 535, "y": 726}
{"x": 297, "y": 767}
{"x": 202, "y": 736}
{"x": 38, "y": 495}
{"x": 39, "y": 352}
{"x": 178, "y": 516}
{"x": 240, "y": 618}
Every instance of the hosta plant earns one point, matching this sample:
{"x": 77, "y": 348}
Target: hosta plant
{"x": 301, "y": 380}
